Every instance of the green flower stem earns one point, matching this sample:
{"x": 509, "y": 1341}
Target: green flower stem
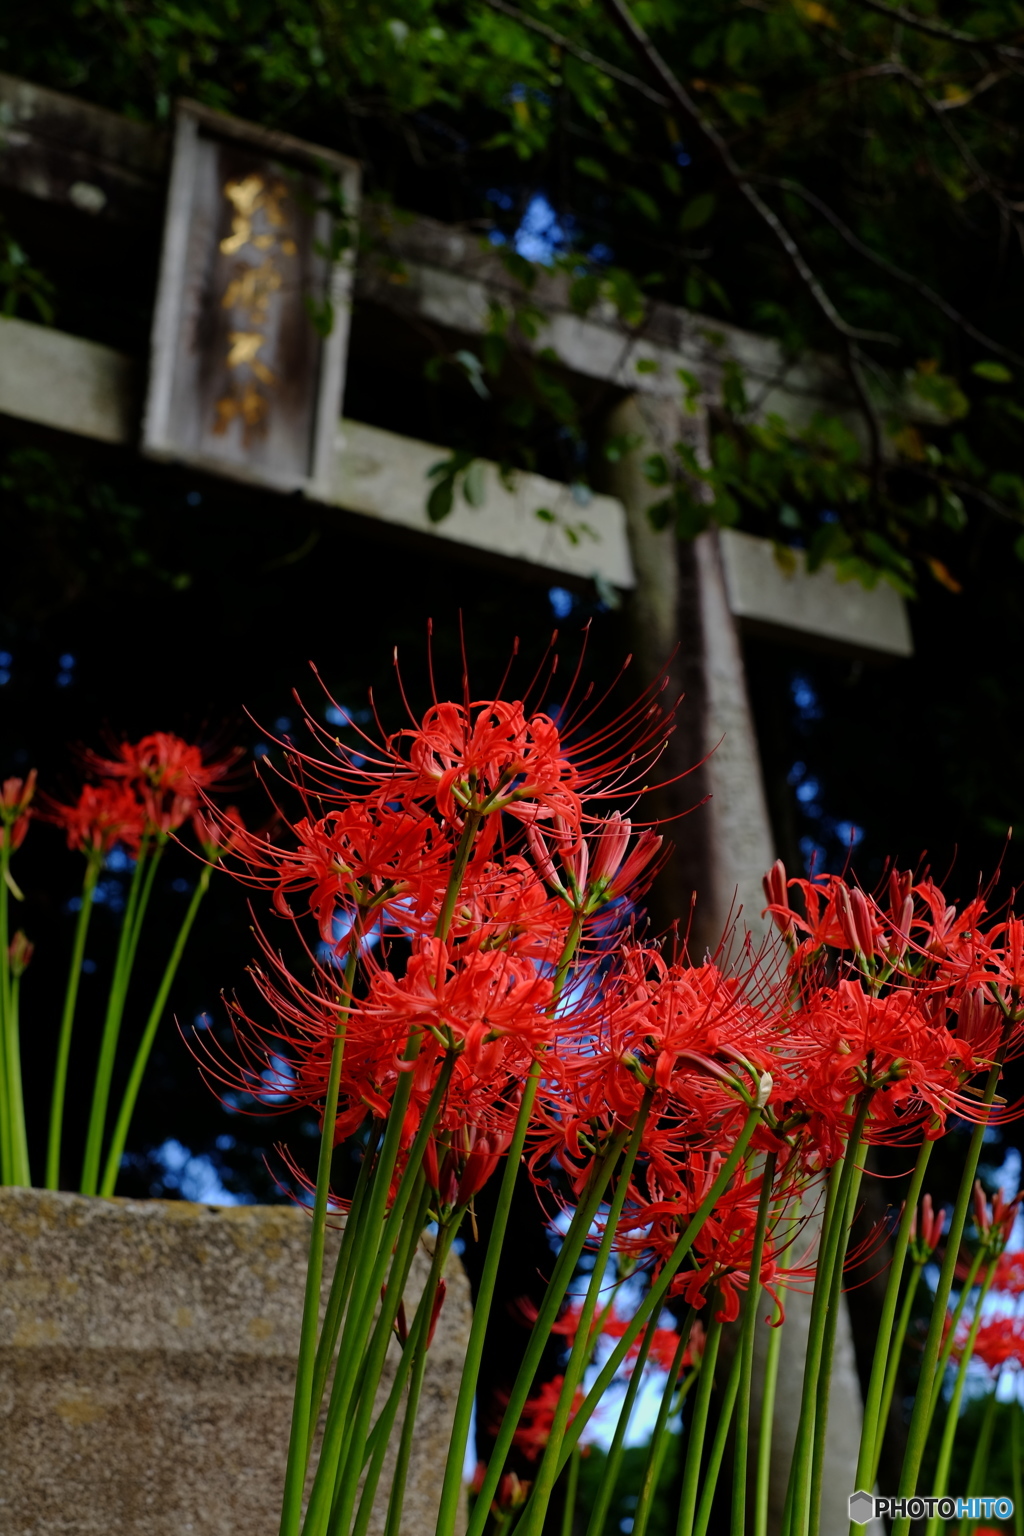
{"x": 950, "y": 1339}
{"x": 10, "y": 1108}
{"x": 21, "y": 1174}
{"x": 131, "y": 1092}
{"x": 379, "y": 1438}
{"x": 835, "y": 1229}
{"x": 726, "y": 1411}
{"x": 659, "y": 1290}
{"x": 572, "y": 1483}
{"x": 698, "y": 1426}
{"x": 561, "y": 1276}
{"x": 362, "y": 1400}
{"x": 418, "y": 1343}
{"x": 977, "y": 1477}
{"x": 764, "y": 1442}
{"x": 67, "y": 1023}
{"x": 940, "y": 1478}
{"x": 1016, "y": 1469}
{"x": 921, "y": 1416}
{"x": 746, "y": 1351}
{"x": 451, "y": 1489}
{"x": 892, "y": 1372}
{"x": 299, "y": 1436}
{"x": 547, "y": 1473}
{"x": 886, "y": 1349}
{"x": 613, "y": 1461}
{"x": 367, "y": 1282}
{"x": 341, "y": 1282}
{"x": 672, "y": 1400}
{"x": 824, "y": 1401}
{"x": 138, "y": 899}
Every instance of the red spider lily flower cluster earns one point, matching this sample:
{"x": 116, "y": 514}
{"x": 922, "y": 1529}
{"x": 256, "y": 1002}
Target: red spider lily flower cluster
{"x": 148, "y": 788}
{"x": 15, "y": 801}
{"x": 473, "y": 894}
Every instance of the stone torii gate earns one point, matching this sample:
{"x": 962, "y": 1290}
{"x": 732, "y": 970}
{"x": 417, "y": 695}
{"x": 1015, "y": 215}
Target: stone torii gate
{"x": 234, "y": 227}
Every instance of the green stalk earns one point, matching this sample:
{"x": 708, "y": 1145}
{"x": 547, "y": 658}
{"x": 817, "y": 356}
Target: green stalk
{"x": 798, "y": 1495}
{"x": 892, "y": 1371}
{"x": 418, "y": 1342}
{"x": 977, "y": 1477}
{"x": 698, "y": 1427}
{"x": 341, "y": 1282}
{"x": 746, "y": 1351}
{"x": 947, "y": 1348}
{"x": 67, "y": 1022}
{"x": 366, "y": 1288}
{"x": 299, "y": 1437}
{"x": 876, "y": 1405}
{"x": 548, "y": 1471}
{"x": 131, "y": 926}
{"x": 659, "y": 1290}
{"x": 671, "y": 1402}
{"x": 824, "y": 1400}
{"x": 362, "y": 1397}
{"x": 451, "y": 1488}
{"x": 1016, "y": 1469}
{"x": 561, "y": 1276}
{"x": 921, "y": 1417}
{"x": 131, "y": 1092}
{"x": 572, "y": 1483}
{"x": 764, "y": 1441}
{"x": 8, "y": 1108}
{"x": 940, "y": 1479}
{"x": 714, "y": 1466}
{"x": 613, "y": 1461}
{"x": 21, "y": 1174}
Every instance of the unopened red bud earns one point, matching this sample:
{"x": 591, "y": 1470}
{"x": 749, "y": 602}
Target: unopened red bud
{"x": 20, "y": 951}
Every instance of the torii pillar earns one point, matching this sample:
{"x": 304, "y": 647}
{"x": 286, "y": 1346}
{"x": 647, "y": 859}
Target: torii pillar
{"x": 683, "y": 624}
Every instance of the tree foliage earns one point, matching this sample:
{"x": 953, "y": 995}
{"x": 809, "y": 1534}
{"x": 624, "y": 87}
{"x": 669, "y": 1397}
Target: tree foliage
{"x": 845, "y": 177}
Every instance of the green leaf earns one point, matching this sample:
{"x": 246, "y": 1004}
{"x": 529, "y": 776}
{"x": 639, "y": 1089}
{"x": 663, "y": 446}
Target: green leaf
{"x": 474, "y": 483}
{"x": 656, "y": 469}
{"x": 545, "y": 516}
{"x": 646, "y": 365}
{"x": 592, "y": 168}
{"x": 645, "y": 203}
{"x": 995, "y": 373}
{"x": 697, "y": 211}
{"x": 441, "y": 499}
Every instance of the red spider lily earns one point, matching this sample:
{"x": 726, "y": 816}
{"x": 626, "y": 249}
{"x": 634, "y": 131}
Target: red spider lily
{"x": 1009, "y": 1276}
{"x": 931, "y": 1226}
{"x": 221, "y": 834}
{"x": 465, "y": 1165}
{"x": 15, "y": 800}
{"x": 999, "y": 1342}
{"x": 851, "y": 1043}
{"x": 593, "y": 877}
{"x": 512, "y": 1492}
{"x": 995, "y": 1221}
{"x": 103, "y": 814}
{"x": 168, "y": 776}
{"x": 537, "y": 1417}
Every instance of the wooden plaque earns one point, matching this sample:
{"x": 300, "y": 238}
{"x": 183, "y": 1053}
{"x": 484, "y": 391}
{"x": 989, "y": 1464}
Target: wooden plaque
{"x": 246, "y": 379}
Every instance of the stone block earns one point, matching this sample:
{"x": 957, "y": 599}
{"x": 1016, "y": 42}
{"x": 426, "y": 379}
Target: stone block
{"x": 147, "y": 1355}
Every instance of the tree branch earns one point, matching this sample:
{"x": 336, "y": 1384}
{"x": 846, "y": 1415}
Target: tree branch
{"x": 943, "y": 34}
{"x": 656, "y": 66}
{"x": 854, "y": 241}
{"x": 560, "y": 40}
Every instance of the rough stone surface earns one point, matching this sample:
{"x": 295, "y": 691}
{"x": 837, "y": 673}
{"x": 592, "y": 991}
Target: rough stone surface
{"x": 146, "y": 1367}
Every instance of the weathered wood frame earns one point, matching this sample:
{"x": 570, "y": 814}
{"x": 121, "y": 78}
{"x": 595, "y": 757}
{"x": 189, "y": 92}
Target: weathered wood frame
{"x": 193, "y": 123}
